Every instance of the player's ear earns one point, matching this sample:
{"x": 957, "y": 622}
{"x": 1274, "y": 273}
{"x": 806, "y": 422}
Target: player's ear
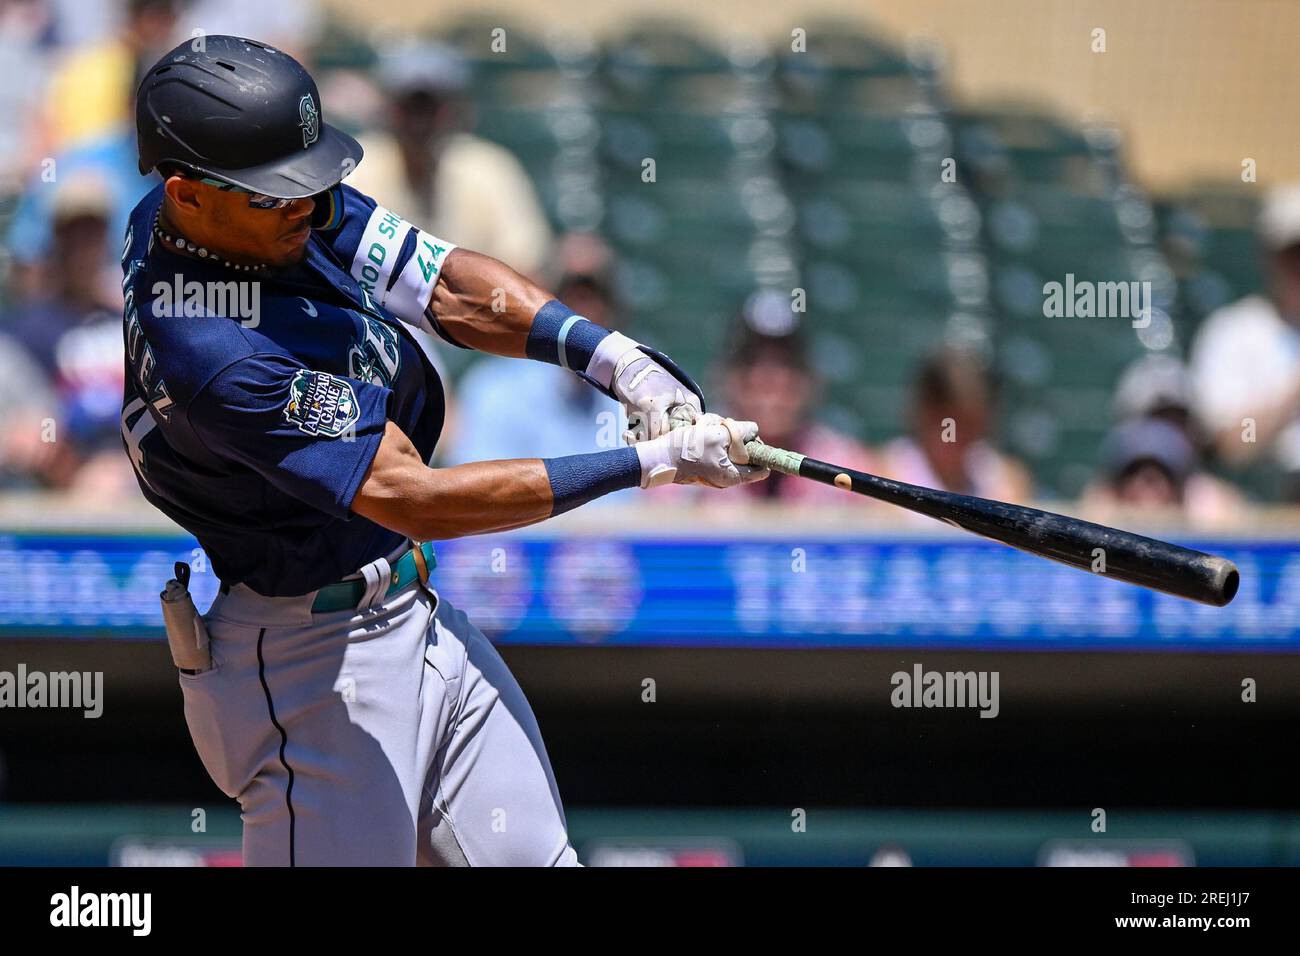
{"x": 183, "y": 193}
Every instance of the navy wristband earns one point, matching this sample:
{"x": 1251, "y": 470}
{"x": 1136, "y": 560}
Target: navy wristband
{"x": 577, "y": 479}
{"x": 563, "y": 338}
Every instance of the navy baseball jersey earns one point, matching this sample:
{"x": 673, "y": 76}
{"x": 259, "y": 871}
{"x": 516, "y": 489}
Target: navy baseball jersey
{"x": 254, "y": 403}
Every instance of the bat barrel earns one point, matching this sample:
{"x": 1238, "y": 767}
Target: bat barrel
{"x": 1111, "y": 552}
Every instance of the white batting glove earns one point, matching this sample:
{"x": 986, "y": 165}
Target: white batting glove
{"x": 709, "y": 452}
{"x": 649, "y": 392}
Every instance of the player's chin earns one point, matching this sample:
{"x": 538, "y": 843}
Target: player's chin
{"x": 292, "y": 249}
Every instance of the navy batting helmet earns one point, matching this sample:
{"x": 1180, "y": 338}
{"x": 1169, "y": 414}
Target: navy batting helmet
{"x": 243, "y": 113}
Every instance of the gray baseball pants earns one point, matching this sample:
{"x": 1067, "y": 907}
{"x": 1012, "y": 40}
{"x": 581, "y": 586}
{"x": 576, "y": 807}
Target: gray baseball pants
{"x": 391, "y": 735}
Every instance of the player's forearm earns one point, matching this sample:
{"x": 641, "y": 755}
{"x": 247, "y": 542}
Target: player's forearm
{"x": 431, "y": 504}
{"x": 478, "y": 498}
{"x": 401, "y": 493}
{"x": 483, "y": 304}
{"x": 480, "y": 303}
{"x": 489, "y": 496}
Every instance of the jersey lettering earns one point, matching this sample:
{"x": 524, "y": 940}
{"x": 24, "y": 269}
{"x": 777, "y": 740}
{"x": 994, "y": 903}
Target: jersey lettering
{"x": 140, "y": 357}
{"x": 136, "y": 424}
{"x": 377, "y": 357}
{"x": 377, "y": 254}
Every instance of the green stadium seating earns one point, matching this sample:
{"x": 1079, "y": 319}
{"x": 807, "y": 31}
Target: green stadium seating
{"x": 1018, "y": 146}
{"x": 822, "y": 170}
{"x": 822, "y": 149}
{"x": 842, "y": 67}
{"x": 665, "y": 66}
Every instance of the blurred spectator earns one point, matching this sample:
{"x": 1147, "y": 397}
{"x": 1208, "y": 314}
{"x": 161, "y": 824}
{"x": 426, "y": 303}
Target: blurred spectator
{"x": 428, "y": 170}
{"x": 77, "y": 23}
{"x": 769, "y": 379}
{"x": 1246, "y": 357}
{"x": 1159, "y": 387}
{"x": 110, "y": 162}
{"x": 949, "y": 447}
{"x": 26, "y": 36}
{"x": 514, "y": 409}
{"x": 26, "y": 454}
{"x": 103, "y": 150}
{"x": 1146, "y": 465}
{"x": 48, "y": 208}
{"x": 71, "y": 331}
{"x": 90, "y": 93}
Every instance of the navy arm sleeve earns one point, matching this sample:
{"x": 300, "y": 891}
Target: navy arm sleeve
{"x": 310, "y": 434}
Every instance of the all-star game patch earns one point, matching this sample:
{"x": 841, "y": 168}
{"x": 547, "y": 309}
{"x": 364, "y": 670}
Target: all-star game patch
{"x": 321, "y": 404}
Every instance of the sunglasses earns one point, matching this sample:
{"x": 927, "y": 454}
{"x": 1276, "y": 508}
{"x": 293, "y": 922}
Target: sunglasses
{"x": 255, "y": 200}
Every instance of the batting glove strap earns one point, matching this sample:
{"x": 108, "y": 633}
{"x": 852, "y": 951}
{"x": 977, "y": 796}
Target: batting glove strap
{"x": 612, "y": 348}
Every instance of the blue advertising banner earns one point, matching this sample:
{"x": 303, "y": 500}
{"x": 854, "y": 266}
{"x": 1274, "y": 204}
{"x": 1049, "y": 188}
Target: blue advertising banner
{"x": 770, "y": 591}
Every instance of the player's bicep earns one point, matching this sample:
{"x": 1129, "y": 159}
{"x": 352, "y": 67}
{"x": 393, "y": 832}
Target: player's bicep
{"x": 309, "y": 433}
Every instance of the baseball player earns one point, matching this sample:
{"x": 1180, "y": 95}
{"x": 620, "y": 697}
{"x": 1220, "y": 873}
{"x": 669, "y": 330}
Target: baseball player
{"x": 278, "y": 408}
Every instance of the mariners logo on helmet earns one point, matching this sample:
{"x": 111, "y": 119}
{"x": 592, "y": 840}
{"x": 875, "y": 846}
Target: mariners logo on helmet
{"x": 310, "y": 117}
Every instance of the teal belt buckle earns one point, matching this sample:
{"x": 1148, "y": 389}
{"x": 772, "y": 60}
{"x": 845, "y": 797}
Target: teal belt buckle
{"x": 345, "y": 595}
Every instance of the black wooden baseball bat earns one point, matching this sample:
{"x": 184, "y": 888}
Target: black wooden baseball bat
{"x": 1147, "y": 562}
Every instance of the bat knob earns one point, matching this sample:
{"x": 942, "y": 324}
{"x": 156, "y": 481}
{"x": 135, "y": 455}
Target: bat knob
{"x": 1224, "y": 579}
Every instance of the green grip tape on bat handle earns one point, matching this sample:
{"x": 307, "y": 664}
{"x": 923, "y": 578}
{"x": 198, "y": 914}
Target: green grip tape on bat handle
{"x": 778, "y": 459}
{"x": 760, "y": 454}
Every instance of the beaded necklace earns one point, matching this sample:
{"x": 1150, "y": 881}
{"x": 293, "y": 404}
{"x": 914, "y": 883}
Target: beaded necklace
{"x": 181, "y": 244}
